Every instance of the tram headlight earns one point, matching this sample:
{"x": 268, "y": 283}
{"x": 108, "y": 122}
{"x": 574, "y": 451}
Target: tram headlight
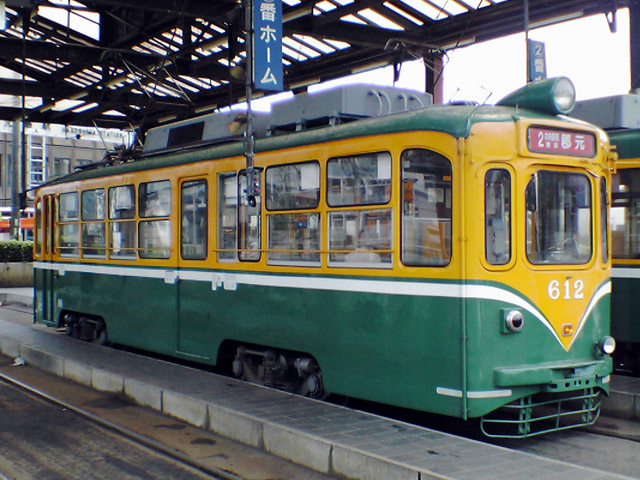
{"x": 564, "y": 95}
{"x": 552, "y": 96}
{"x": 513, "y": 321}
{"x": 607, "y": 345}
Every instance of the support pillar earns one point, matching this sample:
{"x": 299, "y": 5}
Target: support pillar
{"x": 433, "y": 77}
{"x": 634, "y": 44}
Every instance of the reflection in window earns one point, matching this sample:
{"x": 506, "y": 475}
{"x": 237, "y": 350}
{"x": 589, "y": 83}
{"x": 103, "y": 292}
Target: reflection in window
{"x": 154, "y": 199}
{"x": 249, "y": 241}
{"x": 93, "y": 229}
{"x": 292, "y": 187}
{"x": 39, "y": 229}
{"x": 227, "y": 216}
{"x": 122, "y": 203}
{"x": 294, "y": 237}
{"x": 426, "y": 208}
{"x": 69, "y": 239}
{"x": 93, "y": 239}
{"x": 122, "y": 211}
{"x": 155, "y": 239}
{"x": 93, "y": 204}
{"x": 194, "y": 220}
{"x": 497, "y": 216}
{"x": 558, "y": 221}
{"x": 123, "y": 240}
{"x": 68, "y": 233}
{"x": 360, "y": 238}
{"x": 359, "y": 180}
{"x": 625, "y": 213}
{"x": 68, "y": 211}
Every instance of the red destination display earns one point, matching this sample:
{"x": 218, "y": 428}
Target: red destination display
{"x": 561, "y": 142}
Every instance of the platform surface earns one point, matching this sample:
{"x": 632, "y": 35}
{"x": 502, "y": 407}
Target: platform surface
{"x": 328, "y": 438}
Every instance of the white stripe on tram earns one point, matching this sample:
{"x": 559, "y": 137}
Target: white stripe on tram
{"x": 231, "y": 280}
{"x": 451, "y": 392}
{"x": 625, "y": 272}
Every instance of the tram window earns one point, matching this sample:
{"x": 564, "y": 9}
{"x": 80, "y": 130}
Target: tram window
{"x": 193, "y": 239}
{"x": 294, "y": 238}
{"x": 227, "y": 216}
{"x": 122, "y": 202}
{"x": 625, "y": 213}
{"x": 359, "y": 180}
{"x": 69, "y": 239}
{"x": 93, "y": 229}
{"x": 93, "y": 204}
{"x": 426, "y": 208}
{"x": 68, "y": 207}
{"x": 123, "y": 240}
{"x": 122, "y": 211}
{"x": 293, "y": 187}
{"x": 93, "y": 239}
{"x": 558, "y": 218}
{"x": 39, "y": 227}
{"x": 497, "y": 216}
{"x": 360, "y": 238}
{"x": 604, "y": 220}
{"x": 249, "y": 227}
{"x": 69, "y": 229}
{"x": 154, "y": 199}
{"x": 154, "y": 238}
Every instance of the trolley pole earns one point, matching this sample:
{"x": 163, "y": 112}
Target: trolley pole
{"x": 248, "y": 15}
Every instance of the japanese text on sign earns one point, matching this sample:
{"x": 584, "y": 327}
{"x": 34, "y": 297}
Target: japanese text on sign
{"x": 267, "y": 45}
{"x": 559, "y": 142}
{"x": 537, "y": 64}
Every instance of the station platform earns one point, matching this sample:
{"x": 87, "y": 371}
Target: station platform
{"x": 327, "y": 438}
{"x": 22, "y": 296}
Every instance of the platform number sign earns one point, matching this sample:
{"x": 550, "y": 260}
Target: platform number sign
{"x": 537, "y": 64}
{"x": 267, "y": 45}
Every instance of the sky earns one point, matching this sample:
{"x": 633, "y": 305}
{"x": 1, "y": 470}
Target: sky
{"x": 584, "y": 50}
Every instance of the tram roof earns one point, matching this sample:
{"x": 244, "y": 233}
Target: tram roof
{"x": 627, "y": 143}
{"x": 142, "y": 63}
{"x": 454, "y": 120}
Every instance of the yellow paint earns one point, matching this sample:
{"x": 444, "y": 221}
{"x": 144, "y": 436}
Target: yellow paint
{"x": 562, "y": 293}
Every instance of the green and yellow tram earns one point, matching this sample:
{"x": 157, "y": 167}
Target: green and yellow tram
{"x": 619, "y": 115}
{"x": 450, "y": 259}
{"x": 625, "y": 236}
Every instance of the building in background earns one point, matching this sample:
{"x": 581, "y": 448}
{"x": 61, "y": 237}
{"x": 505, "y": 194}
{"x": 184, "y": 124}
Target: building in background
{"x": 53, "y": 151}
{"x": 50, "y": 151}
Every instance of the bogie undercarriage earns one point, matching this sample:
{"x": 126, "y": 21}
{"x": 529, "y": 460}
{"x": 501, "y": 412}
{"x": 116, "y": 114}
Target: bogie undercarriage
{"x": 291, "y": 371}
{"x": 85, "y": 327}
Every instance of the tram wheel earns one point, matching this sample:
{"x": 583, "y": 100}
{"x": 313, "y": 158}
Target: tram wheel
{"x": 102, "y": 338}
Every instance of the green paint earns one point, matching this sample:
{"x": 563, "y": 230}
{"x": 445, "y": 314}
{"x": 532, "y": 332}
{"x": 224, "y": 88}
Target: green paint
{"x": 394, "y": 349}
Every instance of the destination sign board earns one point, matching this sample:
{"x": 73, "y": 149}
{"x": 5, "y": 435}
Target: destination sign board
{"x": 561, "y": 142}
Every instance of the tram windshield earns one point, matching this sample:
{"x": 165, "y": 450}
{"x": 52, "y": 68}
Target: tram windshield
{"x": 559, "y": 218}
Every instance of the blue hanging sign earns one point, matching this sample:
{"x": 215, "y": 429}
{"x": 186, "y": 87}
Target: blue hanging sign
{"x": 537, "y": 62}
{"x": 267, "y": 45}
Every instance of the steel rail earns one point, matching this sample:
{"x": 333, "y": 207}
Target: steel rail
{"x": 216, "y": 473}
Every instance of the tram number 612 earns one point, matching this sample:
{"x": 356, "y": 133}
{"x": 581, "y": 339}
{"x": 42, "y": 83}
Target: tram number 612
{"x": 570, "y": 291}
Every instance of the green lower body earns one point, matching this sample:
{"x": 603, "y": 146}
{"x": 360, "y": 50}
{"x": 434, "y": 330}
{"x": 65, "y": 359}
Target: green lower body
{"x": 436, "y": 353}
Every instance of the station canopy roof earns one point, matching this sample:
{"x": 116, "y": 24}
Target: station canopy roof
{"x": 140, "y": 63}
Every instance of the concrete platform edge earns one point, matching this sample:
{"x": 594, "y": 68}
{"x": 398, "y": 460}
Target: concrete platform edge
{"x": 294, "y": 445}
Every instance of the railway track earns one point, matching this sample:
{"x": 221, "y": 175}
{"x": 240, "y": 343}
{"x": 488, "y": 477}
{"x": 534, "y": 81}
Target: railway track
{"x": 96, "y": 435}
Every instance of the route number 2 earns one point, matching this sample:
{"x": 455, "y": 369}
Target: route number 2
{"x": 566, "y": 289}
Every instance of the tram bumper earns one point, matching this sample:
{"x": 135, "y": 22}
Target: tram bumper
{"x": 557, "y": 376}
{"x": 567, "y": 397}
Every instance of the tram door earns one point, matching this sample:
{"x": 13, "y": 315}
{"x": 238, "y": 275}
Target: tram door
{"x": 194, "y": 312}
{"x": 47, "y": 226}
